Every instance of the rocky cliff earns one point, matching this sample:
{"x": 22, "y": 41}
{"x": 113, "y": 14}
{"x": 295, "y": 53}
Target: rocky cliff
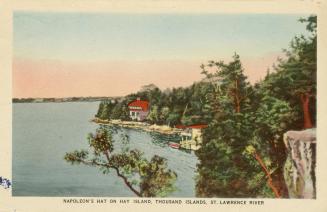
{"x": 299, "y": 169}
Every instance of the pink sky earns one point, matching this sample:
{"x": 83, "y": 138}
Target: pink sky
{"x": 51, "y": 78}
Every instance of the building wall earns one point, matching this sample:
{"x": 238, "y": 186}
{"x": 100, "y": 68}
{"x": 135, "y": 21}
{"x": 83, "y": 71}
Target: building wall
{"x": 143, "y": 115}
{"x": 138, "y": 115}
{"x": 197, "y": 135}
{"x": 133, "y": 115}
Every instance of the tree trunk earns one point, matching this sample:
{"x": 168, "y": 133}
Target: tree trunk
{"x": 237, "y": 101}
{"x": 185, "y": 109}
{"x": 238, "y": 107}
{"x": 278, "y": 151}
{"x": 127, "y": 183}
{"x": 305, "y": 100}
{"x": 270, "y": 181}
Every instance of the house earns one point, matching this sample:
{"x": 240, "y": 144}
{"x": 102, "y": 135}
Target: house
{"x": 138, "y": 109}
{"x": 191, "y": 136}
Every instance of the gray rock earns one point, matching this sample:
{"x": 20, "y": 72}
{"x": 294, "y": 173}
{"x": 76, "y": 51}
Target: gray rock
{"x": 299, "y": 169}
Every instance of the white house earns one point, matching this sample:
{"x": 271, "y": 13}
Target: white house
{"x": 138, "y": 109}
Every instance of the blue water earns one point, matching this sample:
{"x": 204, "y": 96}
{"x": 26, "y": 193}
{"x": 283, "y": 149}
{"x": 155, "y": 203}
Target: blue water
{"x": 44, "y": 132}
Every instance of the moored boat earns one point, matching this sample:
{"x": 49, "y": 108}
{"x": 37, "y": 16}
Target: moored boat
{"x": 174, "y": 145}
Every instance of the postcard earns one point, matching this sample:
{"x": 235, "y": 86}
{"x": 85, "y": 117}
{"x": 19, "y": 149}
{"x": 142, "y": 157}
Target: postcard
{"x": 164, "y": 105}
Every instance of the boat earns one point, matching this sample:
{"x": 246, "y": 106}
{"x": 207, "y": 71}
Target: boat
{"x": 174, "y": 145}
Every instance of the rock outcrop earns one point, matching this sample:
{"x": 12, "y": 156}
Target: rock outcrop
{"x": 299, "y": 169}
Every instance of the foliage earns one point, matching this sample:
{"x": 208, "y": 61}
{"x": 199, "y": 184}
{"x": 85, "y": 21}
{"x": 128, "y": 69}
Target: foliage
{"x": 154, "y": 114}
{"x": 294, "y": 78}
{"x": 164, "y": 113}
{"x": 104, "y": 110}
{"x": 222, "y": 170}
{"x": 144, "y": 178}
{"x": 169, "y": 107}
{"x": 243, "y": 153}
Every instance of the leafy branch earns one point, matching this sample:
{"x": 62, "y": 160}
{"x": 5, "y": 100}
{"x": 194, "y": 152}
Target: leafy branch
{"x": 144, "y": 178}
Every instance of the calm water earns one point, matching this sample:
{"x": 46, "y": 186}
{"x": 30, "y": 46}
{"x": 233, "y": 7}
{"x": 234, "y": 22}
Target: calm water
{"x": 44, "y": 132}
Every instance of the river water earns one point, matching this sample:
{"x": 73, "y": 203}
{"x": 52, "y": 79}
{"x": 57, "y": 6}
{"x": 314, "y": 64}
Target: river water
{"x": 44, "y": 132}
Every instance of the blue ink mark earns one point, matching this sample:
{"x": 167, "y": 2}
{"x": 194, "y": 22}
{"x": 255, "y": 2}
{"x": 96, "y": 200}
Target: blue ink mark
{"x": 5, "y": 182}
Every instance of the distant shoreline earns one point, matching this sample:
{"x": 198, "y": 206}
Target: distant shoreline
{"x": 65, "y": 99}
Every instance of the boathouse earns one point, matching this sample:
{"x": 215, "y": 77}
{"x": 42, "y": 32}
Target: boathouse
{"x": 138, "y": 109}
{"x": 191, "y": 136}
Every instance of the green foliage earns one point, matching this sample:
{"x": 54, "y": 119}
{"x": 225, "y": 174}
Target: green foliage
{"x": 144, "y": 178}
{"x": 273, "y": 116}
{"x": 296, "y": 76}
{"x": 99, "y": 142}
{"x": 154, "y": 114}
{"x": 154, "y": 175}
{"x": 222, "y": 170}
{"x": 105, "y": 109}
{"x": 164, "y": 113}
{"x": 169, "y": 107}
{"x": 76, "y": 157}
{"x": 173, "y": 118}
{"x": 245, "y": 132}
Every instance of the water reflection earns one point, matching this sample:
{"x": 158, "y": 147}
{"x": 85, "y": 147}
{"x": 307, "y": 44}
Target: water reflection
{"x": 162, "y": 139}
{"x": 159, "y": 139}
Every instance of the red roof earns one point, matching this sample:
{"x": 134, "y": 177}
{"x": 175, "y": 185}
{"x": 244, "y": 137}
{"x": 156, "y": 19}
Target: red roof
{"x": 197, "y": 126}
{"x": 144, "y": 105}
{"x": 179, "y": 126}
{"x": 194, "y": 126}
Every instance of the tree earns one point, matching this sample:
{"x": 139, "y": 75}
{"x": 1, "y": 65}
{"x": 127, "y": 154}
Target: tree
{"x": 295, "y": 76}
{"x": 164, "y": 113}
{"x": 231, "y": 79}
{"x": 105, "y": 110}
{"x": 241, "y": 147}
{"x": 144, "y": 178}
{"x": 153, "y": 115}
{"x": 124, "y": 115}
{"x": 222, "y": 170}
{"x": 174, "y": 118}
{"x": 148, "y": 88}
{"x": 117, "y": 111}
{"x": 105, "y": 113}
{"x": 266, "y": 150}
{"x": 98, "y": 115}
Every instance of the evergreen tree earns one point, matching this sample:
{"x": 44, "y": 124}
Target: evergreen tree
{"x": 222, "y": 170}
{"x": 294, "y": 79}
{"x": 153, "y": 115}
{"x": 98, "y": 115}
{"x": 164, "y": 114}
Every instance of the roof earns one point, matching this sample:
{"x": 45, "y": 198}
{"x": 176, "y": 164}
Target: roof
{"x": 194, "y": 126}
{"x": 144, "y": 105}
{"x": 197, "y": 126}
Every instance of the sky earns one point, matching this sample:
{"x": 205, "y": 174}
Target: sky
{"x": 114, "y": 54}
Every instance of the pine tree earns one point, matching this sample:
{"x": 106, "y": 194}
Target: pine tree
{"x": 222, "y": 170}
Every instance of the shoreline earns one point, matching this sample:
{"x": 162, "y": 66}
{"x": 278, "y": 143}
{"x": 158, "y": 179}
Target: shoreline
{"x": 163, "y": 129}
